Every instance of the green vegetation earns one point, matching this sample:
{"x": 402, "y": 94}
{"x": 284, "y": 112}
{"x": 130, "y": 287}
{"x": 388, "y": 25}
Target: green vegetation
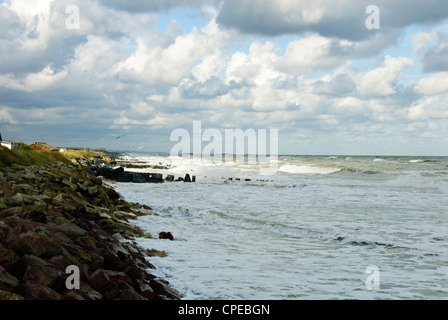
{"x": 23, "y": 155}
{"x": 87, "y": 154}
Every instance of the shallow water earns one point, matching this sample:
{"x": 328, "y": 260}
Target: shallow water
{"x": 309, "y": 231}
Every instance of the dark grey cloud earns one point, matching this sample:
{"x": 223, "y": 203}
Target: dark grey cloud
{"x": 402, "y": 13}
{"x": 404, "y": 97}
{"x": 10, "y": 24}
{"x": 341, "y": 85}
{"x": 436, "y": 57}
{"x": 341, "y": 19}
{"x": 273, "y": 18}
{"x": 211, "y": 88}
{"x": 150, "y": 5}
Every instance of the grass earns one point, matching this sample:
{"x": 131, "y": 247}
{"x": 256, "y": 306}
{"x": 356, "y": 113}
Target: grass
{"x": 22, "y": 154}
{"x": 71, "y": 153}
{"x": 25, "y": 156}
{"x": 87, "y": 153}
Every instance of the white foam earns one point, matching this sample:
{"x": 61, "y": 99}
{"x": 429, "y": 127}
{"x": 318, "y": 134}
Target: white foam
{"x": 290, "y": 168}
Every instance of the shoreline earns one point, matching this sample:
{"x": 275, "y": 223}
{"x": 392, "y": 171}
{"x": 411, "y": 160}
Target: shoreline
{"x": 57, "y": 215}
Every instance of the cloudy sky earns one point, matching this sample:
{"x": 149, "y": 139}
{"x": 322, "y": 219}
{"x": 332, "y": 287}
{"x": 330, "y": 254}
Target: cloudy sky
{"x": 131, "y": 72}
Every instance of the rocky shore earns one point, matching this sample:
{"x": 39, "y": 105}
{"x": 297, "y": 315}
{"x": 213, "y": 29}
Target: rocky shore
{"x": 57, "y": 215}
{"x": 109, "y": 166}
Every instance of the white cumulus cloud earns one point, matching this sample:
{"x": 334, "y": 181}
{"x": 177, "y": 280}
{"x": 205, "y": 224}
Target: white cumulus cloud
{"x": 437, "y": 83}
{"x": 381, "y": 81}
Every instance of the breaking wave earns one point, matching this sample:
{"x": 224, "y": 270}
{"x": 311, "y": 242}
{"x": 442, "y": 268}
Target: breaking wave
{"x": 290, "y": 168}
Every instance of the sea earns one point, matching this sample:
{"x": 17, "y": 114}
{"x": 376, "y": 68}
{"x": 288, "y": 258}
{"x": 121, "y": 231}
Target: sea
{"x": 316, "y": 227}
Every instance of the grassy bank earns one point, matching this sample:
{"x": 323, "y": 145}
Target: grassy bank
{"x": 26, "y": 157}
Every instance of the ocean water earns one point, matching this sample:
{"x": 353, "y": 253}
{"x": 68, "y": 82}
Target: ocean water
{"x": 319, "y": 227}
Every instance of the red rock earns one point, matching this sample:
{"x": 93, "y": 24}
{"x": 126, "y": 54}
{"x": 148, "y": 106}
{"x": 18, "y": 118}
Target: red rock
{"x": 145, "y": 290}
{"x": 21, "y": 226}
{"x": 97, "y": 181}
{"x": 166, "y": 235}
{"x": 91, "y": 258}
{"x": 98, "y": 234}
{"x": 73, "y": 295}
{"x": 119, "y": 250}
{"x": 6, "y": 189}
{"x": 15, "y": 230}
{"x": 111, "y": 260}
{"x": 8, "y": 258}
{"x": 71, "y": 230}
{"x": 110, "y": 291}
{"x": 134, "y": 272}
{"x": 130, "y": 249}
{"x": 34, "y": 290}
{"x": 162, "y": 287}
{"x": 4, "y": 231}
{"x": 113, "y": 195}
{"x": 41, "y": 271}
{"x": 37, "y": 216}
{"x": 37, "y": 243}
{"x": 7, "y": 281}
{"x": 88, "y": 243}
{"x": 99, "y": 279}
{"x": 130, "y": 294}
{"x": 118, "y": 275}
{"x": 63, "y": 260}
{"x": 85, "y": 292}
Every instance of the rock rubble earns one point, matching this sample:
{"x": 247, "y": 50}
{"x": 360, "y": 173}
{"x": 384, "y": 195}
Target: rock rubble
{"x": 58, "y": 215}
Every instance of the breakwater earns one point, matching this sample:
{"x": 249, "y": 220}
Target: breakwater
{"x": 58, "y": 215}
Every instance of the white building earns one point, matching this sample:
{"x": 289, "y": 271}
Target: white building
{"x": 6, "y": 144}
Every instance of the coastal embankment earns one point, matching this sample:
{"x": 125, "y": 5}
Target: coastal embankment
{"x": 56, "y": 217}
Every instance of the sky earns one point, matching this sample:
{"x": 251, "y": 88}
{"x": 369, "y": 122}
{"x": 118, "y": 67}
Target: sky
{"x": 332, "y": 77}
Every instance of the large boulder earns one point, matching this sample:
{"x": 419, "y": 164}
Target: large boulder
{"x": 7, "y": 281}
{"x": 38, "y": 243}
{"x": 41, "y": 271}
{"x": 162, "y": 287}
{"x": 71, "y": 230}
{"x": 34, "y": 290}
{"x": 166, "y": 235}
{"x": 107, "y": 172}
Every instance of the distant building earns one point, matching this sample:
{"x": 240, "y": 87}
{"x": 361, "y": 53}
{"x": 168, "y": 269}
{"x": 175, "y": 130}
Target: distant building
{"x": 11, "y": 145}
{"x": 6, "y": 144}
